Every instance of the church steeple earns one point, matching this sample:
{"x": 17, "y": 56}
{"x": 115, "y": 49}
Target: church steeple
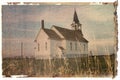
{"x": 75, "y": 19}
{"x": 76, "y": 25}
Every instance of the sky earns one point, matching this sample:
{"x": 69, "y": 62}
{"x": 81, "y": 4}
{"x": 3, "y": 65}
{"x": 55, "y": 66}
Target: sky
{"x": 21, "y": 23}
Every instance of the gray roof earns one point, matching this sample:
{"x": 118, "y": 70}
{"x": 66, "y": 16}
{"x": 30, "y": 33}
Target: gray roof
{"x": 52, "y": 34}
{"x": 73, "y": 35}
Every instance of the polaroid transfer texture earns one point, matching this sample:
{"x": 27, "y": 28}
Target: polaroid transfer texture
{"x": 67, "y": 40}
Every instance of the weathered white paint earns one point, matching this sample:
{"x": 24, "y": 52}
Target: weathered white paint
{"x": 53, "y": 50}
{"x": 63, "y": 44}
{"x": 42, "y": 39}
{"x": 77, "y": 47}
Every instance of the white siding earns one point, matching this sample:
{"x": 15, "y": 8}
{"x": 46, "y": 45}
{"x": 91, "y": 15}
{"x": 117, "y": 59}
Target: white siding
{"x": 54, "y": 48}
{"x": 42, "y": 40}
{"x": 63, "y": 44}
{"x": 82, "y": 48}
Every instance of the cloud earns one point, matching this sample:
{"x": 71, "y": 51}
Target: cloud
{"x": 59, "y": 14}
{"x": 21, "y": 23}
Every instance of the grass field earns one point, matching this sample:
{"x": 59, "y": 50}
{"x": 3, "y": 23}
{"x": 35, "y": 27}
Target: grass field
{"x": 92, "y": 66}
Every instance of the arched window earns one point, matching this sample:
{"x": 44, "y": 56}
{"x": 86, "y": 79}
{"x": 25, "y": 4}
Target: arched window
{"x": 46, "y": 45}
{"x": 70, "y": 46}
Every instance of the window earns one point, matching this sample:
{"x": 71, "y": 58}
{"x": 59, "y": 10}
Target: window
{"x": 70, "y": 46}
{"x": 46, "y": 45}
{"x": 84, "y": 47}
{"x": 80, "y": 47}
{"x": 76, "y": 46}
{"x": 38, "y": 47}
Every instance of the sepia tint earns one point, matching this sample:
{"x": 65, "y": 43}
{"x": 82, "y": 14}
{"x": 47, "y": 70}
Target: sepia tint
{"x": 67, "y": 40}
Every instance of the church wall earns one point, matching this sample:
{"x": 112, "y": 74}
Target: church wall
{"x": 77, "y": 47}
{"x": 54, "y": 48}
{"x": 84, "y": 47}
{"x": 63, "y": 43}
{"x": 42, "y": 46}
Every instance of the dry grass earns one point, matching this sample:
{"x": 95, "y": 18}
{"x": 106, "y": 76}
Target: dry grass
{"x": 67, "y": 67}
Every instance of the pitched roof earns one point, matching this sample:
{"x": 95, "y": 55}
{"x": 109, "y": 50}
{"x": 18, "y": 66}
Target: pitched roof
{"x": 52, "y": 34}
{"x": 71, "y": 34}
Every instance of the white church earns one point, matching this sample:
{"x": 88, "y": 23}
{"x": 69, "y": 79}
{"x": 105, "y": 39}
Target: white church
{"x": 59, "y": 42}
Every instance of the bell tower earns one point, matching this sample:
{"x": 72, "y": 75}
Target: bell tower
{"x": 76, "y": 25}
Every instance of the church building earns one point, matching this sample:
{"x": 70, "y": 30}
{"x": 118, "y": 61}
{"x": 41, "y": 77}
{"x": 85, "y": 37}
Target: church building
{"x": 59, "y": 42}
